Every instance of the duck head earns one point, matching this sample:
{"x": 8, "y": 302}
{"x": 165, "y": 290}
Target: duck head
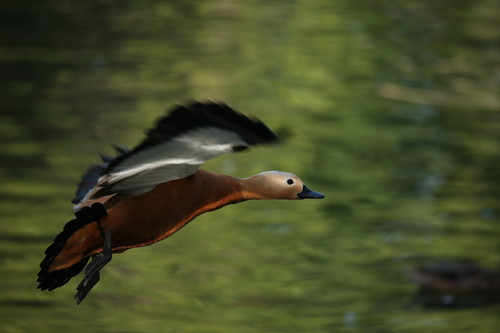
{"x": 277, "y": 185}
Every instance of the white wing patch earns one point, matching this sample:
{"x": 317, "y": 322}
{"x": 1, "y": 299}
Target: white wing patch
{"x": 177, "y": 158}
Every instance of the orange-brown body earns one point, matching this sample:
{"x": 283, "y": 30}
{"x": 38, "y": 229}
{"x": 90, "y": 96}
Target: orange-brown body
{"x": 146, "y": 194}
{"x": 148, "y": 218}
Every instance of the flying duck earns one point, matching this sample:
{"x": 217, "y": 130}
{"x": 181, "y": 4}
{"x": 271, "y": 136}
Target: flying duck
{"x": 146, "y": 194}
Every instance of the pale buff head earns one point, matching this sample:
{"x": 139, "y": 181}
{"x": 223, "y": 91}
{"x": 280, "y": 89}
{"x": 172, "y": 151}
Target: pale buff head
{"x": 277, "y": 185}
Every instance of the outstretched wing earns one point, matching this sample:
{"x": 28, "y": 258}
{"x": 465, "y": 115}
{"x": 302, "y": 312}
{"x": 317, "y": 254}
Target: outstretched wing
{"x": 178, "y": 145}
{"x": 91, "y": 177}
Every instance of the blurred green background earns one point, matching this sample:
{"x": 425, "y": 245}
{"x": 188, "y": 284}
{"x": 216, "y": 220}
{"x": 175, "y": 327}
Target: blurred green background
{"x": 390, "y": 108}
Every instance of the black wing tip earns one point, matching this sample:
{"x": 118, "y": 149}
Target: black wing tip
{"x": 219, "y": 114}
{"x": 195, "y": 114}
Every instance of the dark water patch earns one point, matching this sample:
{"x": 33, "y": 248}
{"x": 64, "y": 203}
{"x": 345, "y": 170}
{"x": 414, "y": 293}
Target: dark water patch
{"x": 26, "y": 238}
{"x": 26, "y": 303}
{"x": 27, "y": 199}
{"x": 16, "y": 165}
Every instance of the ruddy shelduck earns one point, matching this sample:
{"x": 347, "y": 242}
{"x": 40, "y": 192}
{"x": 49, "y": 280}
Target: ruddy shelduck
{"x": 146, "y": 194}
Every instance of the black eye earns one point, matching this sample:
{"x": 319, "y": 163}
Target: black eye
{"x": 290, "y": 181}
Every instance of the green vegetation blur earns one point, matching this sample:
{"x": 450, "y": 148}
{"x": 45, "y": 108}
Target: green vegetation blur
{"x": 390, "y": 108}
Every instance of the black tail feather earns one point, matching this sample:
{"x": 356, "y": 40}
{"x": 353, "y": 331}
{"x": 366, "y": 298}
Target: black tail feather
{"x": 51, "y": 280}
{"x": 55, "y": 279}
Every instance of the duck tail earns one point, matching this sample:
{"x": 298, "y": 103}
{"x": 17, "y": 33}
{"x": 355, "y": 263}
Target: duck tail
{"x": 51, "y": 279}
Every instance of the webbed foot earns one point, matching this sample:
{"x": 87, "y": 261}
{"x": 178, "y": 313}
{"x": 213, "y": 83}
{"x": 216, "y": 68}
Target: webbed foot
{"x": 92, "y": 270}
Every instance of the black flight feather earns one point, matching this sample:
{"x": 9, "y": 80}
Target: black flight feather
{"x": 183, "y": 119}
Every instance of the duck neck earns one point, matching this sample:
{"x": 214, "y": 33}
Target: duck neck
{"x": 252, "y": 189}
{"x": 219, "y": 190}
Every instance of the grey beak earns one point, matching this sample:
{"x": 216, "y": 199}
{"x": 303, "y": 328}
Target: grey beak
{"x": 307, "y": 193}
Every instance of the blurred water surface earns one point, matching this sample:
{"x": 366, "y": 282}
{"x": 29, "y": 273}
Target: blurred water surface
{"x": 390, "y": 108}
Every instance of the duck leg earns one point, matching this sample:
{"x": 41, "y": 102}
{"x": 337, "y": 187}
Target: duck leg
{"x": 91, "y": 276}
